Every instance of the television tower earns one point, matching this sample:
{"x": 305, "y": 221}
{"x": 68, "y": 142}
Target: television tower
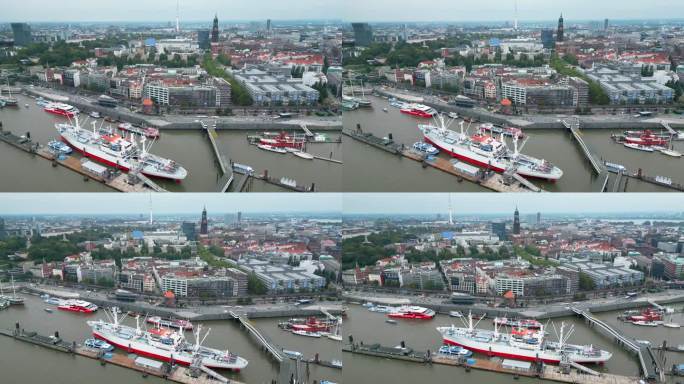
{"x": 177, "y": 16}
{"x": 150, "y": 208}
{"x": 451, "y": 216}
{"x": 515, "y": 22}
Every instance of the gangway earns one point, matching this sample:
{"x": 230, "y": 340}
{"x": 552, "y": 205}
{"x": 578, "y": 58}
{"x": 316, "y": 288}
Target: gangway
{"x": 306, "y": 130}
{"x": 573, "y": 127}
{"x": 264, "y": 341}
{"x": 650, "y": 365}
{"x": 666, "y": 125}
{"x": 583, "y": 368}
{"x": 526, "y": 183}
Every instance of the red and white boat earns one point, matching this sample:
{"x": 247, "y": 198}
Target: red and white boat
{"x": 164, "y": 344}
{"x": 488, "y": 152}
{"x": 523, "y": 323}
{"x": 117, "y": 151}
{"x": 522, "y": 344}
{"x": 81, "y": 306}
{"x": 61, "y": 109}
{"x": 647, "y": 138}
{"x": 170, "y": 323}
{"x": 647, "y": 315}
{"x": 419, "y": 110}
{"x": 282, "y": 140}
{"x": 412, "y": 312}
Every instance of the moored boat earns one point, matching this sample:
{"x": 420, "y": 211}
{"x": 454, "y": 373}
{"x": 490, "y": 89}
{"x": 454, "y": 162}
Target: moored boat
{"x": 521, "y": 344}
{"x": 271, "y": 148}
{"x": 412, "y": 312}
{"x": 164, "y": 344}
{"x": 61, "y": 109}
{"x": 671, "y": 152}
{"x": 303, "y": 155}
{"x": 639, "y": 147}
{"x": 80, "y": 306}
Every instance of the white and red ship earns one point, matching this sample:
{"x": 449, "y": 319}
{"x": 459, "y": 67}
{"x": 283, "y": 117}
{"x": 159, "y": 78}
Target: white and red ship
{"x": 412, "y": 312}
{"x": 80, "y": 306}
{"x": 522, "y": 344}
{"x": 647, "y": 315}
{"x": 419, "y": 110}
{"x": 61, "y": 109}
{"x": 164, "y": 344}
{"x": 117, "y": 151}
{"x": 488, "y": 152}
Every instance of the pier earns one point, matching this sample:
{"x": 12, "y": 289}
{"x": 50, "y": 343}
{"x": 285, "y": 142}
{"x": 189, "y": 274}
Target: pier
{"x": 223, "y": 161}
{"x": 660, "y": 181}
{"x": 650, "y": 365}
{"x": 573, "y": 127}
{"x": 669, "y": 129}
{"x": 306, "y": 130}
{"x": 262, "y": 340}
{"x": 173, "y": 373}
{"x": 119, "y": 182}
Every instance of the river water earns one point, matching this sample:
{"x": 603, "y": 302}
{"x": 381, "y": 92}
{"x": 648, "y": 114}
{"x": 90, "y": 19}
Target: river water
{"x": 370, "y": 327}
{"x": 368, "y": 169}
{"x": 21, "y": 172}
{"x": 24, "y": 363}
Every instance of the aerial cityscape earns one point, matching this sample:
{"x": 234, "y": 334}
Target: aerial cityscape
{"x": 275, "y": 192}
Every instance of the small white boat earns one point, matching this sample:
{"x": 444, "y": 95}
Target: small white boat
{"x": 453, "y": 115}
{"x": 292, "y": 354}
{"x": 671, "y": 152}
{"x": 455, "y": 314}
{"x": 334, "y": 337}
{"x": 271, "y": 148}
{"x": 647, "y": 323}
{"x": 644, "y": 342}
{"x": 385, "y": 110}
{"x": 48, "y": 310}
{"x": 303, "y": 155}
{"x": 671, "y": 325}
{"x": 391, "y": 321}
{"x": 639, "y": 147}
{"x": 306, "y": 333}
{"x": 26, "y": 105}
{"x": 94, "y": 115}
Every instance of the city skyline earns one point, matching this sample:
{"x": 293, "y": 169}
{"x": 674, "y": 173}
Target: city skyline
{"x": 475, "y": 203}
{"x": 163, "y": 204}
{"x": 164, "y": 10}
{"x": 492, "y": 10}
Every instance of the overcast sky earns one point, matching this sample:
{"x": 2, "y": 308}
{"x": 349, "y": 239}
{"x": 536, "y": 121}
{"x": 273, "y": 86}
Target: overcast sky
{"x": 350, "y": 10}
{"x": 469, "y": 203}
{"x": 94, "y": 203}
{"x": 164, "y": 10}
{"x": 496, "y": 10}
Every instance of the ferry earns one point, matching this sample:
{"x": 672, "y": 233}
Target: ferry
{"x": 521, "y": 344}
{"x": 170, "y": 323}
{"x": 310, "y": 324}
{"x": 381, "y": 309}
{"x": 412, "y": 312}
{"x": 486, "y": 151}
{"x": 648, "y": 314}
{"x": 419, "y": 110}
{"x": 164, "y": 344}
{"x": 116, "y": 151}
{"x": 61, "y": 109}
{"x": 80, "y": 306}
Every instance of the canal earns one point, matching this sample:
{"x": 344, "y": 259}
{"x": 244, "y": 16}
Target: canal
{"x": 368, "y": 169}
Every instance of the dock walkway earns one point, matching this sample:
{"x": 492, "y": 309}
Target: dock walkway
{"x": 574, "y": 128}
{"x": 222, "y": 160}
{"x": 650, "y": 365}
{"x": 264, "y": 341}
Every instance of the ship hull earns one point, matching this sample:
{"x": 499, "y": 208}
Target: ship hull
{"x": 509, "y": 352}
{"x": 482, "y": 161}
{"x": 166, "y": 356}
{"x": 59, "y": 113}
{"x": 110, "y": 161}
